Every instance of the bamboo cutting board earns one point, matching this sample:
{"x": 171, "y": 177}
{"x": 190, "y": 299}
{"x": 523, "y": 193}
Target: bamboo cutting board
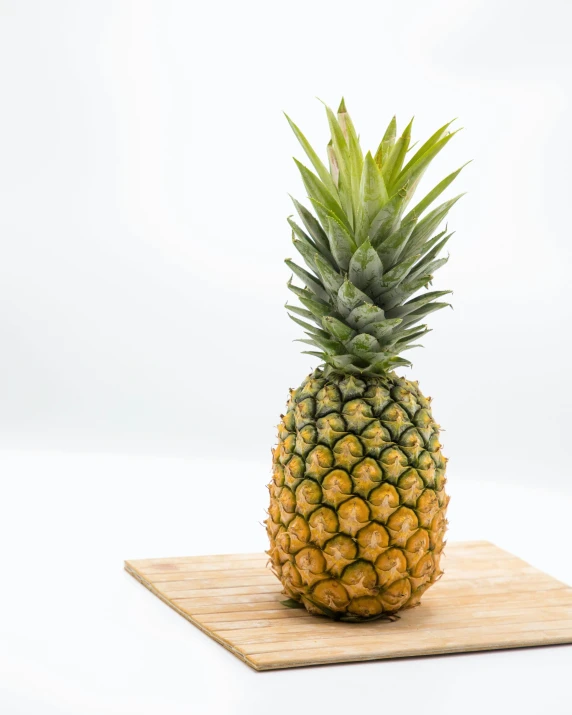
{"x": 488, "y": 599}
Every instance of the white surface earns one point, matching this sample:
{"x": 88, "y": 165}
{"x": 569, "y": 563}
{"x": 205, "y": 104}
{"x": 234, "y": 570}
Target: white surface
{"x": 78, "y": 635}
{"x": 144, "y": 173}
{"x": 145, "y": 165}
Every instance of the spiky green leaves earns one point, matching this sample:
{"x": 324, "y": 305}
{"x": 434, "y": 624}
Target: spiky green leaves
{"x": 365, "y": 262}
{"x": 365, "y": 269}
{"x": 373, "y": 192}
{"x": 342, "y": 245}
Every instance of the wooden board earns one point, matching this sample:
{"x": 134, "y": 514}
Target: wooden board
{"x": 488, "y": 599}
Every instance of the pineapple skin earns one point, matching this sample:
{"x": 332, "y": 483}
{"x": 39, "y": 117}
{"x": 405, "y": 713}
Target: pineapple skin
{"x": 357, "y": 514}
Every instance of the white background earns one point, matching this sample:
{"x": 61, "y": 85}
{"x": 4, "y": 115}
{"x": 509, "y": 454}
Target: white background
{"x": 144, "y": 171}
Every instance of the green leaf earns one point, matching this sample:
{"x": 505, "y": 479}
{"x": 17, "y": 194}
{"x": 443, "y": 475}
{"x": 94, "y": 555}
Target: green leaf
{"x": 373, "y": 194}
{"x": 343, "y": 362}
{"x": 401, "y": 292}
{"x": 431, "y": 248}
{"x": 332, "y": 347}
{"x": 433, "y": 139}
{"x": 354, "y": 148}
{"x": 317, "y": 308}
{"x": 381, "y": 328}
{"x": 349, "y": 297}
{"x": 389, "y": 364}
{"x": 340, "y": 146}
{"x": 376, "y": 357}
{"x": 331, "y": 280}
{"x": 320, "y": 356}
{"x": 422, "y": 158}
{"x": 361, "y": 230}
{"x": 342, "y": 245}
{"x": 316, "y": 161}
{"x": 342, "y": 109}
{"x": 412, "y": 305}
{"x": 339, "y": 330}
{"x": 433, "y": 194}
{"x": 334, "y": 168}
{"x": 427, "y": 226}
{"x": 311, "y": 281}
{"x": 312, "y": 225}
{"x": 302, "y": 312}
{"x": 318, "y": 237}
{"x": 340, "y": 157}
{"x": 365, "y": 268}
{"x": 364, "y": 314}
{"x": 389, "y": 164}
{"x": 387, "y": 220}
{"x": 415, "y": 335}
{"x": 310, "y": 248}
{"x": 350, "y": 369}
{"x": 417, "y": 315}
{"x": 386, "y": 143}
{"x": 396, "y": 275}
{"x": 324, "y": 214}
{"x": 310, "y": 328}
{"x": 307, "y": 251}
{"x": 408, "y": 190}
{"x": 394, "y": 162}
{"x": 409, "y": 346}
{"x": 304, "y": 293}
{"x": 390, "y": 249}
{"x": 319, "y": 192}
{"x": 403, "y": 336}
{"x": 302, "y": 235}
{"x": 346, "y": 124}
{"x": 363, "y": 344}
{"x": 431, "y": 267}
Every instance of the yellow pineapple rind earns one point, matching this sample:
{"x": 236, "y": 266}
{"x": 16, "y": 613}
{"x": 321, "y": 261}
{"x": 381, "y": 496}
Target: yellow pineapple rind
{"x": 357, "y": 515}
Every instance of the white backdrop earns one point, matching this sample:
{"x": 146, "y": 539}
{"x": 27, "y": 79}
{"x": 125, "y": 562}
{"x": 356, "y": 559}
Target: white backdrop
{"x": 144, "y": 170}
{"x": 145, "y": 165}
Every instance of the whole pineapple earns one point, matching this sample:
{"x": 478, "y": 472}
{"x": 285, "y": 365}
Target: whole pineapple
{"x": 357, "y": 499}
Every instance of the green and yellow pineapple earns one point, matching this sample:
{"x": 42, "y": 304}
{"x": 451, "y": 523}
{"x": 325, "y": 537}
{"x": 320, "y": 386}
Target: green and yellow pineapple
{"x": 357, "y": 499}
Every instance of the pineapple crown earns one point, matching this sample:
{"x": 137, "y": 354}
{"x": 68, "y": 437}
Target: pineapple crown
{"x": 367, "y": 261}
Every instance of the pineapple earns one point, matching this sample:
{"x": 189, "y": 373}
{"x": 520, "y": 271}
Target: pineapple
{"x": 357, "y": 514}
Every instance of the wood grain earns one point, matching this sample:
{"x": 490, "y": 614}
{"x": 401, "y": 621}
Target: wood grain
{"x": 487, "y": 600}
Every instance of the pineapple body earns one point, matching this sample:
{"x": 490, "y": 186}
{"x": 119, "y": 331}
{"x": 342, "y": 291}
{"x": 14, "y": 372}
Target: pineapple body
{"x": 357, "y": 498}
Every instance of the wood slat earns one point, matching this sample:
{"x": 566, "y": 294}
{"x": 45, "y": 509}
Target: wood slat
{"x": 222, "y": 581}
{"x": 431, "y": 646}
{"x": 373, "y": 642}
{"x": 186, "y": 567}
{"x": 445, "y": 599}
{"x": 216, "y": 603}
{"x": 486, "y": 593}
{"x": 488, "y": 599}
{"x": 236, "y": 601}
{"x": 242, "y": 574}
{"x": 460, "y": 613}
{"x": 222, "y": 591}
{"x": 286, "y": 635}
{"x": 225, "y": 559}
